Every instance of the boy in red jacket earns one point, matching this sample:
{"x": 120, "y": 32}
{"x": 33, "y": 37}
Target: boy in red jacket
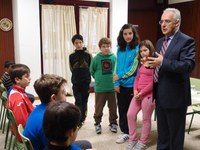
{"x": 18, "y": 102}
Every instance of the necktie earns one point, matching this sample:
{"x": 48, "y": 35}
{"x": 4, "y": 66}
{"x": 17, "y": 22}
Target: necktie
{"x": 162, "y": 52}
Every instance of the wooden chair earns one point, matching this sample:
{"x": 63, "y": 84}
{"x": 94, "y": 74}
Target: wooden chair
{"x": 3, "y": 96}
{"x": 13, "y": 124}
{"x": 196, "y": 104}
{"x": 27, "y": 143}
{"x": 196, "y": 110}
{"x": 3, "y": 112}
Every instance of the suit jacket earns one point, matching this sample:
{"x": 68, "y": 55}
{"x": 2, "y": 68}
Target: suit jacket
{"x": 173, "y": 89}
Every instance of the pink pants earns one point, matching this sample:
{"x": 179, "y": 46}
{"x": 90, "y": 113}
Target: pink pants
{"x": 147, "y": 107}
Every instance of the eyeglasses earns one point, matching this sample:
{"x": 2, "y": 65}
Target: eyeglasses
{"x": 165, "y": 21}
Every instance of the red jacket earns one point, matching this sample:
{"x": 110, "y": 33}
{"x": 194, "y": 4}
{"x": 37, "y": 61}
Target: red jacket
{"x": 20, "y": 105}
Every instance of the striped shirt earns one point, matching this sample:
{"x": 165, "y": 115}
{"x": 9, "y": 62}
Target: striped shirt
{"x": 6, "y": 80}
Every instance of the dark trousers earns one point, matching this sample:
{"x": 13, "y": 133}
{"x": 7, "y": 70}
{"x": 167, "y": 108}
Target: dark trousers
{"x": 171, "y": 128}
{"x": 100, "y": 101}
{"x": 123, "y": 100}
{"x": 81, "y": 94}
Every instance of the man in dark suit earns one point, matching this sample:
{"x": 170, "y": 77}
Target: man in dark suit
{"x": 174, "y": 61}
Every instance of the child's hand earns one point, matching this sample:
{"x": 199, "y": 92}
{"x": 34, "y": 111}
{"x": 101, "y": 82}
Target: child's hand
{"x": 117, "y": 89}
{"x": 138, "y": 96}
{"x": 135, "y": 92}
{"x": 115, "y": 77}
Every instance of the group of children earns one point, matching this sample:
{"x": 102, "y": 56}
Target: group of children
{"x": 49, "y": 88}
{"x": 125, "y": 74}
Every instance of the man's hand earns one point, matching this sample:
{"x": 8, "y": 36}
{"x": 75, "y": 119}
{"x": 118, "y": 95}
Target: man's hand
{"x": 153, "y": 62}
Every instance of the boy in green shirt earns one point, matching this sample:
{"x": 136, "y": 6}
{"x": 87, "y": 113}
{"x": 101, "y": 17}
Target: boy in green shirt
{"x": 102, "y": 68}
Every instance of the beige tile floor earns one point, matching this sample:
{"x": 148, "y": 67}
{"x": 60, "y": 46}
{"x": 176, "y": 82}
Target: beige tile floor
{"x": 106, "y": 140}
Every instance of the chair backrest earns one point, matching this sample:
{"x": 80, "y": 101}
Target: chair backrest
{"x": 196, "y": 108}
{"x": 3, "y": 94}
{"x": 27, "y": 143}
{"x": 4, "y": 100}
{"x": 12, "y": 120}
{"x": 3, "y": 91}
{"x": 195, "y": 82}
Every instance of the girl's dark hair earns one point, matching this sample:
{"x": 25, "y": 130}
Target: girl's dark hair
{"x": 17, "y": 71}
{"x": 148, "y": 44}
{"x": 120, "y": 39}
{"x": 47, "y": 85}
{"x": 60, "y": 117}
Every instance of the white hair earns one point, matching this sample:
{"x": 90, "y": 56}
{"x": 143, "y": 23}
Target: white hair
{"x": 176, "y": 12}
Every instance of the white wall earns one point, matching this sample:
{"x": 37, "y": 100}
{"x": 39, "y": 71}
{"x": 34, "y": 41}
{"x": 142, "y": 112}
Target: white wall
{"x": 118, "y": 17}
{"x": 27, "y": 37}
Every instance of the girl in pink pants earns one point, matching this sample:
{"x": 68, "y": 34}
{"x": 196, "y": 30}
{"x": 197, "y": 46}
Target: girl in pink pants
{"x": 142, "y": 100}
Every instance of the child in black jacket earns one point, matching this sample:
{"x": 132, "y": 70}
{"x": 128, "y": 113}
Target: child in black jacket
{"x": 79, "y": 62}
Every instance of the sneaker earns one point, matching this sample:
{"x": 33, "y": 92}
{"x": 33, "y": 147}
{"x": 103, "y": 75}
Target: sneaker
{"x": 113, "y": 128}
{"x": 139, "y": 146}
{"x": 98, "y": 128}
{"x": 131, "y": 144}
{"x": 123, "y": 138}
{"x": 119, "y": 136}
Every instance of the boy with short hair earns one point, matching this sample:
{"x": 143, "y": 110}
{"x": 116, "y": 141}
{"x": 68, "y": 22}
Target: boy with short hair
{"x": 79, "y": 62}
{"x": 18, "y": 102}
{"x": 60, "y": 125}
{"x": 102, "y": 68}
{"x": 49, "y": 88}
{"x": 5, "y": 78}
{"x": 8, "y": 82}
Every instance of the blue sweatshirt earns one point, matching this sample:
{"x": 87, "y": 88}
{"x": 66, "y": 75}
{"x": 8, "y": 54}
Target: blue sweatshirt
{"x": 127, "y": 63}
